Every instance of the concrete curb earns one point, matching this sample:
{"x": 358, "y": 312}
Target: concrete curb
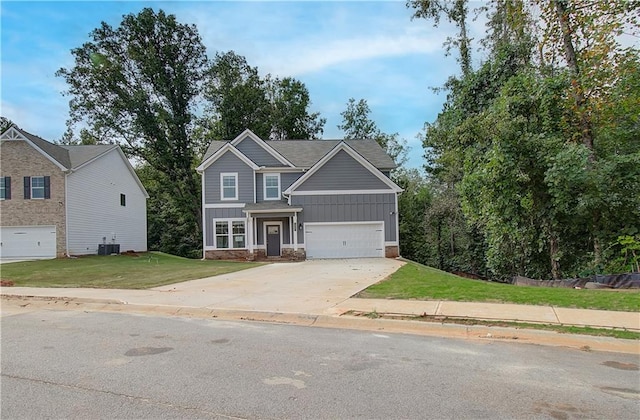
{"x": 340, "y": 320}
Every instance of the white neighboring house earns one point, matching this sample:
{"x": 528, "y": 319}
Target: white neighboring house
{"x": 58, "y": 200}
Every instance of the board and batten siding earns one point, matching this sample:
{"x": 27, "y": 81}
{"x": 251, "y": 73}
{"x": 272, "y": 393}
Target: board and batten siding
{"x": 256, "y": 153}
{"x": 228, "y": 163}
{"x": 286, "y": 179}
{"x": 348, "y": 208}
{"x": 211, "y": 214}
{"x": 333, "y": 174}
{"x": 94, "y": 210}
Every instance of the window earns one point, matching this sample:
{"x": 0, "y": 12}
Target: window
{"x": 37, "y": 187}
{"x": 271, "y": 186}
{"x": 230, "y": 234}
{"x": 123, "y": 200}
{"x": 5, "y": 188}
{"x": 238, "y": 234}
{"x": 222, "y": 234}
{"x": 228, "y": 186}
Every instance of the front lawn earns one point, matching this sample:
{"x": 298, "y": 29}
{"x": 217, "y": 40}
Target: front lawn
{"x": 124, "y": 271}
{"x": 415, "y": 281}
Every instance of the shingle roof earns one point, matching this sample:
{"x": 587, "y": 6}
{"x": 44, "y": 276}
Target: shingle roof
{"x": 58, "y": 153}
{"x": 305, "y": 153}
{"x": 70, "y": 157}
{"x": 81, "y": 154}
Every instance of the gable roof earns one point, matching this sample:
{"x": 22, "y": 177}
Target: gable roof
{"x": 304, "y": 154}
{"x": 68, "y": 157}
{"x": 65, "y": 157}
{"x": 343, "y": 146}
{"x": 220, "y": 151}
{"x": 250, "y": 134}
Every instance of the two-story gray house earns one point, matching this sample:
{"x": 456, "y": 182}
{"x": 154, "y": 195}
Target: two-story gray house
{"x": 298, "y": 199}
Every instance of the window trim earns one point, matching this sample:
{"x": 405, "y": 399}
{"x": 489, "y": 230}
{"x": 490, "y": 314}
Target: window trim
{"x": 31, "y": 188}
{"x": 222, "y": 176}
{"x": 264, "y": 186}
{"x": 229, "y": 234}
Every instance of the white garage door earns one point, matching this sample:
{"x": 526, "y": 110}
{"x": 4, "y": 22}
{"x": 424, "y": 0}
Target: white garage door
{"x": 28, "y": 242}
{"x": 344, "y": 240}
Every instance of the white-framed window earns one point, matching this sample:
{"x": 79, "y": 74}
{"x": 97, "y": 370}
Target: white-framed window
{"x": 230, "y": 234}
{"x": 37, "y": 187}
{"x": 271, "y": 186}
{"x": 229, "y": 186}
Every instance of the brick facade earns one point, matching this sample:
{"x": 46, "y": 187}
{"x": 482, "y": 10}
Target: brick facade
{"x": 288, "y": 254}
{"x": 17, "y": 160}
{"x": 391, "y": 251}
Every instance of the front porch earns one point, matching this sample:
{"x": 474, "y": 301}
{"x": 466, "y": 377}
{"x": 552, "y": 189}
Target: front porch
{"x": 271, "y": 234}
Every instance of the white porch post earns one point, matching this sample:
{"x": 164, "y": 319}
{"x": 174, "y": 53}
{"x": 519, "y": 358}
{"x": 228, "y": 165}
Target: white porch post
{"x": 250, "y": 232}
{"x": 294, "y": 229}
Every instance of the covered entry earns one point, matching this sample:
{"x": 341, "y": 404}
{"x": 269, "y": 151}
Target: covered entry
{"x": 272, "y": 229}
{"x": 27, "y": 242}
{"x": 344, "y": 240}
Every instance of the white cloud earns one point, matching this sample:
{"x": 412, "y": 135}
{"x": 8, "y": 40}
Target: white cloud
{"x": 304, "y": 58}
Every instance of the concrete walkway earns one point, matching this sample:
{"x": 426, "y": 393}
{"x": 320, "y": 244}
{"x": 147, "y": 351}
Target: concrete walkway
{"x": 494, "y": 312}
{"x": 196, "y": 296}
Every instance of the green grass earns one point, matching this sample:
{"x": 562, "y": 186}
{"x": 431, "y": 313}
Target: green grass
{"x": 415, "y": 281}
{"x": 115, "y": 271}
{"x": 563, "y": 329}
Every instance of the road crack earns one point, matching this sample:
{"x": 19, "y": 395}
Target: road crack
{"x": 122, "y": 395}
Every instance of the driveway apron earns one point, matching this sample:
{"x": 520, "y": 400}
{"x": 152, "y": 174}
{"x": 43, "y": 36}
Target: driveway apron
{"x": 310, "y": 287}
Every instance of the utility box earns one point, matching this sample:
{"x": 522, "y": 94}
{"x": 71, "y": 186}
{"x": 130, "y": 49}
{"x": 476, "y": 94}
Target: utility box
{"x": 108, "y": 249}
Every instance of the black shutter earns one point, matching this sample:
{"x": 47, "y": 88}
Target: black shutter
{"x": 7, "y": 188}
{"x": 27, "y": 187}
{"x": 47, "y": 187}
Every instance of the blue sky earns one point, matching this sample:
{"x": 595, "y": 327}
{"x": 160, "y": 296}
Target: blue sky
{"x": 339, "y": 49}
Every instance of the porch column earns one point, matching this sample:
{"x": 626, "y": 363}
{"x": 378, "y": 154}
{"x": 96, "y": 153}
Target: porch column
{"x": 250, "y": 232}
{"x": 294, "y": 229}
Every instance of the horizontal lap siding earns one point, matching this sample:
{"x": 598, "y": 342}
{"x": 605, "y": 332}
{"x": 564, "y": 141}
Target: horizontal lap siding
{"x": 225, "y": 213}
{"x": 348, "y": 208}
{"x": 256, "y": 153}
{"x": 94, "y": 211}
{"x": 342, "y": 172}
{"x": 228, "y": 163}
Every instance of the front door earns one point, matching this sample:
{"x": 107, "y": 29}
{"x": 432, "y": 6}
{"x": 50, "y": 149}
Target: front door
{"x": 273, "y": 240}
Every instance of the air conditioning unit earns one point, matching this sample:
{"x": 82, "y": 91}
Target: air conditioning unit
{"x": 108, "y": 249}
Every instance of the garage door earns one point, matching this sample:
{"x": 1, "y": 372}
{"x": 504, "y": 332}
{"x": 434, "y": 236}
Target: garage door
{"x": 28, "y": 242}
{"x": 344, "y": 240}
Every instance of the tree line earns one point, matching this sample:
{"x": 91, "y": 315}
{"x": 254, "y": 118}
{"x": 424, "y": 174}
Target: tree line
{"x": 533, "y": 164}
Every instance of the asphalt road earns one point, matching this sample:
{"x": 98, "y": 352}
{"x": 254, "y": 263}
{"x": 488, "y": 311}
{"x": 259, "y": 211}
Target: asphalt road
{"x": 68, "y": 364}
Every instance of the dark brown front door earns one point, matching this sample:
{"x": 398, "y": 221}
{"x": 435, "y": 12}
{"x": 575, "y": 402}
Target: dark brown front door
{"x": 273, "y": 240}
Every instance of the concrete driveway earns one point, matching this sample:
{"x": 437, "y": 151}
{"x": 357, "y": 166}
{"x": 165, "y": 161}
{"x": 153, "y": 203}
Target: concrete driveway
{"x": 310, "y": 287}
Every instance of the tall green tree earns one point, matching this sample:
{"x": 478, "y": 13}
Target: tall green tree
{"x": 290, "y": 118}
{"x": 237, "y": 97}
{"x": 272, "y": 108}
{"x": 138, "y": 84}
{"x": 357, "y": 124}
{"x": 543, "y": 150}
{"x": 456, "y": 12}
